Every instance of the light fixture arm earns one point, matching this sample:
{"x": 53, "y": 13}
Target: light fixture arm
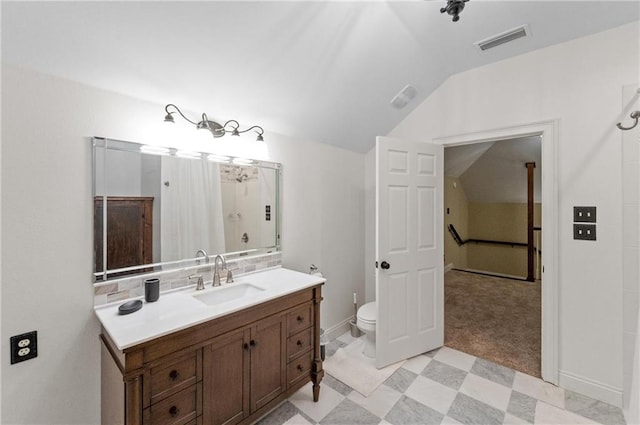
{"x": 235, "y": 128}
{"x": 166, "y": 108}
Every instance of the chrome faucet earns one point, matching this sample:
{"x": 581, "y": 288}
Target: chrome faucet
{"x": 216, "y": 272}
{"x": 204, "y": 253}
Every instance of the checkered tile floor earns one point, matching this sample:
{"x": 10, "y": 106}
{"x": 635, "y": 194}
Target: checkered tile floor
{"x": 444, "y": 386}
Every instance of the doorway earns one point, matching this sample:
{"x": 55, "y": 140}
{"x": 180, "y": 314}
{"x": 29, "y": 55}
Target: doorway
{"x": 547, "y": 130}
{"x": 492, "y": 215}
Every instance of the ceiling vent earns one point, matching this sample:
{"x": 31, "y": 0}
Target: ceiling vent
{"x": 404, "y": 96}
{"x": 504, "y": 37}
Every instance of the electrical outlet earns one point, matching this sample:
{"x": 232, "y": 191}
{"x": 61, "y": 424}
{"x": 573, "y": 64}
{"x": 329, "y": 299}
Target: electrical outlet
{"x": 24, "y": 347}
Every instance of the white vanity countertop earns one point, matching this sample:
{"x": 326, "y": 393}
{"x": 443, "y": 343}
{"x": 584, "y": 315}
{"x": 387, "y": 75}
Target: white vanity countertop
{"x": 178, "y": 309}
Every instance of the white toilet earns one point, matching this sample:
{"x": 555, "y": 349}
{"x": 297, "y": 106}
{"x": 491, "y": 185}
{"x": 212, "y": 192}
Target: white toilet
{"x": 367, "y": 315}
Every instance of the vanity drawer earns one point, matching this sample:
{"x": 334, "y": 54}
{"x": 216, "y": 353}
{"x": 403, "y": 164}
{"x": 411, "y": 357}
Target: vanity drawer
{"x": 168, "y": 379}
{"x": 298, "y": 343}
{"x": 299, "y": 368}
{"x": 300, "y": 319}
{"x": 179, "y": 409}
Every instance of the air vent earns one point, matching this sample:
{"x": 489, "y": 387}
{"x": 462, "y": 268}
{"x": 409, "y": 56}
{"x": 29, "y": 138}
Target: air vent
{"x": 404, "y": 96}
{"x": 504, "y": 37}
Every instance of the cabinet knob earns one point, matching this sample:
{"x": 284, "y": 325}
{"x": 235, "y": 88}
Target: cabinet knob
{"x": 246, "y": 346}
{"x": 300, "y": 318}
{"x": 174, "y": 411}
{"x": 253, "y": 343}
{"x": 299, "y": 343}
{"x": 300, "y": 367}
{"x": 174, "y": 375}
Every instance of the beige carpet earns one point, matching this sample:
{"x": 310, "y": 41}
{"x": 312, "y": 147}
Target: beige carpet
{"x": 494, "y": 318}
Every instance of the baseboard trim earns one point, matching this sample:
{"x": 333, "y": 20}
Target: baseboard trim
{"x": 507, "y": 276}
{"x": 335, "y": 331}
{"x": 448, "y": 267}
{"x": 591, "y": 388}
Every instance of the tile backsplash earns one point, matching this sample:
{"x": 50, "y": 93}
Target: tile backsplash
{"x": 132, "y": 287}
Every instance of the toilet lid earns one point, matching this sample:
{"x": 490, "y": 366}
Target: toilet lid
{"x": 368, "y": 312}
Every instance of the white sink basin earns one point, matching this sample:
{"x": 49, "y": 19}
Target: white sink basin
{"x": 231, "y": 292}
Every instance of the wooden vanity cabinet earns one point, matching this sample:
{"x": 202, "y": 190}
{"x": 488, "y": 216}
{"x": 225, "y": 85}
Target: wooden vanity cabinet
{"x": 245, "y": 371}
{"x": 229, "y": 370}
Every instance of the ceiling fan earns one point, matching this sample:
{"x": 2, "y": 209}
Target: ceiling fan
{"x": 454, "y": 8}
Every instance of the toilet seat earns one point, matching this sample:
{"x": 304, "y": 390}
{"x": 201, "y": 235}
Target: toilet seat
{"x": 368, "y": 313}
{"x": 367, "y": 316}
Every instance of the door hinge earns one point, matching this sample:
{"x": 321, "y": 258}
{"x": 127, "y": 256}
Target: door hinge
{"x": 376, "y": 264}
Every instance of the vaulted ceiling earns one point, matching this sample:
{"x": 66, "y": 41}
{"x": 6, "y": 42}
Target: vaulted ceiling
{"x": 495, "y": 172}
{"x": 322, "y": 71}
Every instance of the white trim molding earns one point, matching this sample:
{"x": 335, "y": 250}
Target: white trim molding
{"x": 549, "y": 130}
{"x": 335, "y": 331}
{"x": 590, "y": 388}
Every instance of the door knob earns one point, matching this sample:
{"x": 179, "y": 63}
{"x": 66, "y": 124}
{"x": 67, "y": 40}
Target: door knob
{"x": 384, "y": 265}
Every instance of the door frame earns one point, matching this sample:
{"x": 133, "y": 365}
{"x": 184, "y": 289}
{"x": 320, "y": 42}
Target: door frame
{"x": 549, "y": 130}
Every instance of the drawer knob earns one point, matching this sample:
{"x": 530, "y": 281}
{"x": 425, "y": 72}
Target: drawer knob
{"x": 300, "y": 318}
{"x": 174, "y": 411}
{"x": 300, "y": 368}
{"x": 174, "y": 375}
{"x": 299, "y": 343}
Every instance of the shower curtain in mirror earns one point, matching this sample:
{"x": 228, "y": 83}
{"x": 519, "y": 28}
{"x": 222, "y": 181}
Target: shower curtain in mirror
{"x": 191, "y": 208}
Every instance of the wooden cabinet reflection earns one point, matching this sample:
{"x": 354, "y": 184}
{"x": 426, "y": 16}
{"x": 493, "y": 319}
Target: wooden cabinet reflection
{"x": 129, "y": 233}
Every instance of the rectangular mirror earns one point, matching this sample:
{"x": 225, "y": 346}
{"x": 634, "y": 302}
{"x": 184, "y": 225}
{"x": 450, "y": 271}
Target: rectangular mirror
{"x": 155, "y": 208}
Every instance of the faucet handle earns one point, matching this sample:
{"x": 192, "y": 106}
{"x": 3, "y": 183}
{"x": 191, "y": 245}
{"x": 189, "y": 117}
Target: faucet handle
{"x": 200, "y": 283}
{"x": 229, "y": 276}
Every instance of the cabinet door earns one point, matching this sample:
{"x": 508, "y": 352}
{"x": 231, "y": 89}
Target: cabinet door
{"x": 226, "y": 379}
{"x": 129, "y": 232}
{"x": 268, "y": 360}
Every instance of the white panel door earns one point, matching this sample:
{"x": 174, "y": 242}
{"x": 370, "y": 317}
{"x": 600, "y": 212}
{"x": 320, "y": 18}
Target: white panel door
{"x": 409, "y": 249}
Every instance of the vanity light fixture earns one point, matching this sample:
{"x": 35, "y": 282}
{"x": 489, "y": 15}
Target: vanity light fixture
{"x": 155, "y": 150}
{"x": 242, "y": 161}
{"x": 188, "y": 154}
{"x": 218, "y": 158}
{"x": 159, "y": 150}
{"x": 216, "y": 129}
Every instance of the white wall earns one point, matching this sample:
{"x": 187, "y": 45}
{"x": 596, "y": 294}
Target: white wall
{"x": 47, "y": 221}
{"x": 322, "y": 220}
{"x": 579, "y": 83}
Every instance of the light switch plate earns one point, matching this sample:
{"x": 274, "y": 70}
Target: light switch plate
{"x": 584, "y": 232}
{"x": 584, "y": 214}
